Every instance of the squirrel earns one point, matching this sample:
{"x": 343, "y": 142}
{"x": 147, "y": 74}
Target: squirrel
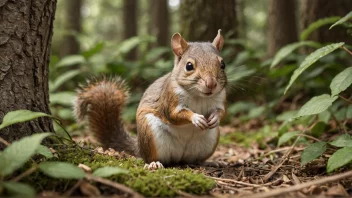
{"x": 178, "y": 115}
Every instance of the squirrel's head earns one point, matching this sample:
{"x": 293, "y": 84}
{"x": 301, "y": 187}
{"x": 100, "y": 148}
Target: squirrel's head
{"x": 198, "y": 67}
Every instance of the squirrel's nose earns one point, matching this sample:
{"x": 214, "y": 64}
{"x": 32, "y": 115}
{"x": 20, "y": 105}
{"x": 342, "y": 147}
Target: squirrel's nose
{"x": 210, "y": 82}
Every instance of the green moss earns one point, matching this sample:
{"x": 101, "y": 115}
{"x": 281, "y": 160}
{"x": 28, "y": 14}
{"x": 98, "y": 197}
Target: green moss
{"x": 161, "y": 183}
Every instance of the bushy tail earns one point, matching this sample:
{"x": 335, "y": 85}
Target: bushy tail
{"x": 102, "y": 102}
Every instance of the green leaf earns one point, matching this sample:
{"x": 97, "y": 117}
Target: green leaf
{"x": 63, "y": 98}
{"x": 342, "y": 20}
{"x": 340, "y": 158}
{"x": 45, "y": 151}
{"x": 19, "y": 189}
{"x": 344, "y": 140}
{"x": 316, "y": 105}
{"x": 286, "y": 137}
{"x": 18, "y": 116}
{"x": 61, "y": 170}
{"x": 129, "y": 44}
{"x": 70, "y": 60}
{"x": 312, "y": 152}
{"x": 324, "y": 117}
{"x": 64, "y": 78}
{"x": 109, "y": 171}
{"x": 318, "y": 129}
{"x": 341, "y": 81}
{"x": 312, "y": 58}
{"x": 317, "y": 24}
{"x": 19, "y": 152}
{"x": 288, "y": 49}
{"x": 154, "y": 54}
{"x": 96, "y": 49}
{"x": 349, "y": 112}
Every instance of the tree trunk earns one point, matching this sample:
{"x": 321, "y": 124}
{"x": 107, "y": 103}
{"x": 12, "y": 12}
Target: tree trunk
{"x": 282, "y": 28}
{"x": 70, "y": 44}
{"x": 201, "y": 19}
{"x": 160, "y": 22}
{"x": 26, "y": 28}
{"x": 130, "y": 24}
{"x": 313, "y": 10}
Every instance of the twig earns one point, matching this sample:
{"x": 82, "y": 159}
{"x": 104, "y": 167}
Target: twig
{"x": 4, "y": 141}
{"x": 69, "y": 192}
{"x": 345, "y": 99}
{"x": 310, "y": 137}
{"x": 235, "y": 181}
{"x": 298, "y": 187}
{"x": 115, "y": 185}
{"x": 285, "y": 158}
{"x": 25, "y": 173}
{"x": 348, "y": 51}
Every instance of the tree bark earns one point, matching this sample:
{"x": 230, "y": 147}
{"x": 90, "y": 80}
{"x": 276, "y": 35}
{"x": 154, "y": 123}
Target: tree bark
{"x": 313, "y": 10}
{"x": 201, "y": 19}
{"x": 160, "y": 22}
{"x": 26, "y": 28}
{"x": 282, "y": 28}
{"x": 73, "y": 25}
{"x": 130, "y": 24}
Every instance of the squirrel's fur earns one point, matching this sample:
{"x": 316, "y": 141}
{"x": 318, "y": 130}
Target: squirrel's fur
{"x": 102, "y": 102}
{"x": 178, "y": 115}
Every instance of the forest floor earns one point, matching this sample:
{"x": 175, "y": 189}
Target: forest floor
{"x": 256, "y": 167}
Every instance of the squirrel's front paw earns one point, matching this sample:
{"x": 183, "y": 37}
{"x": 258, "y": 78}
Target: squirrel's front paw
{"x": 213, "y": 120}
{"x": 199, "y": 121}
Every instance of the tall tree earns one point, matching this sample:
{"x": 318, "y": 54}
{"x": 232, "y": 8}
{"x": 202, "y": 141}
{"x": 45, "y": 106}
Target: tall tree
{"x": 73, "y": 25}
{"x": 26, "y": 28}
{"x": 282, "y": 28}
{"x": 159, "y": 27}
{"x": 130, "y": 23}
{"x": 313, "y": 10}
{"x": 201, "y": 19}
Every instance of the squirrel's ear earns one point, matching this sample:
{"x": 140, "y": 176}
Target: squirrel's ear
{"x": 218, "y": 42}
{"x": 178, "y": 44}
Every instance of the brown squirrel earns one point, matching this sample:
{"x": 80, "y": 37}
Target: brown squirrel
{"x": 178, "y": 115}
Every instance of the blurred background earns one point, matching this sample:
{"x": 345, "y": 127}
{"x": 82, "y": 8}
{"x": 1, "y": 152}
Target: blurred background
{"x": 131, "y": 38}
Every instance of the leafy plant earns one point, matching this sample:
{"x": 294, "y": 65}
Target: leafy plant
{"x": 325, "y": 106}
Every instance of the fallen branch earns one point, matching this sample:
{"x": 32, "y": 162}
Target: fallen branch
{"x": 114, "y": 185}
{"x": 235, "y": 181}
{"x": 301, "y": 186}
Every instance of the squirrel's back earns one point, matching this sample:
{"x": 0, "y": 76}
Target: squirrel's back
{"x": 102, "y": 102}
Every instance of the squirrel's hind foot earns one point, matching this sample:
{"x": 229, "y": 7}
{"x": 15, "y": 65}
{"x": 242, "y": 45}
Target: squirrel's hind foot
{"x": 154, "y": 166}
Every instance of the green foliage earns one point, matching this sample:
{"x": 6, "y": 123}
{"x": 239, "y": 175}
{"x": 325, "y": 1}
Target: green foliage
{"x": 288, "y": 49}
{"x": 316, "y": 105}
{"x": 312, "y": 58}
{"x": 70, "y": 60}
{"x": 16, "y": 189}
{"x": 45, "y": 151}
{"x": 20, "y": 116}
{"x": 344, "y": 140}
{"x": 109, "y": 171}
{"x": 61, "y": 170}
{"x": 286, "y": 137}
{"x": 341, "y": 81}
{"x": 317, "y": 24}
{"x": 342, "y": 20}
{"x": 340, "y": 158}
{"x": 19, "y": 152}
{"x": 312, "y": 152}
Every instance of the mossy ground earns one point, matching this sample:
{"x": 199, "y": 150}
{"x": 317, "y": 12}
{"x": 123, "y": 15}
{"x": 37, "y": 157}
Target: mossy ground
{"x": 160, "y": 183}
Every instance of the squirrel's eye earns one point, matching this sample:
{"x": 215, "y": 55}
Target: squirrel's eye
{"x": 223, "y": 65}
{"x": 189, "y": 66}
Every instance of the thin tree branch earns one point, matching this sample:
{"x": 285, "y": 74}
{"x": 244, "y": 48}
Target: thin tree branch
{"x": 25, "y": 173}
{"x": 348, "y": 51}
{"x": 345, "y": 99}
{"x": 4, "y": 141}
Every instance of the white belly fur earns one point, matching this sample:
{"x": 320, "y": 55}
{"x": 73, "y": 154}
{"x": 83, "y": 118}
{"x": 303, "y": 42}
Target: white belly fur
{"x": 186, "y": 143}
